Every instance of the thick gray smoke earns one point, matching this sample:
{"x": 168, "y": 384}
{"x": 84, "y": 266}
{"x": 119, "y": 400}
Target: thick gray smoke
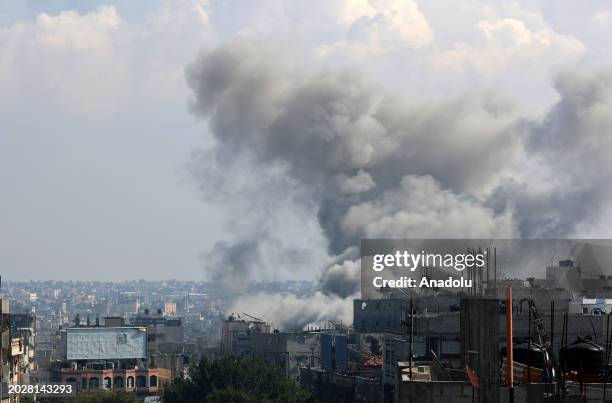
{"x": 296, "y": 143}
{"x": 571, "y": 150}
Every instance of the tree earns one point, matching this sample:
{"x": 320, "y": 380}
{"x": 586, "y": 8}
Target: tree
{"x": 375, "y": 346}
{"x": 232, "y": 379}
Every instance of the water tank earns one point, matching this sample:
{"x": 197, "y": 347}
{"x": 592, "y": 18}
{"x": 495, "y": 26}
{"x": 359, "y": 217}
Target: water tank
{"x": 520, "y": 353}
{"x": 583, "y": 356}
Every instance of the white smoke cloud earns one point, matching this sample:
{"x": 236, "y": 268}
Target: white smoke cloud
{"x": 289, "y": 312}
{"x": 420, "y": 207}
{"x": 361, "y": 182}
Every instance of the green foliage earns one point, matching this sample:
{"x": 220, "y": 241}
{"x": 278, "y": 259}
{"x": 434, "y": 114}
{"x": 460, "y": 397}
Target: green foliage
{"x": 231, "y": 379}
{"x": 375, "y": 347}
{"x": 106, "y": 397}
{"x": 102, "y": 397}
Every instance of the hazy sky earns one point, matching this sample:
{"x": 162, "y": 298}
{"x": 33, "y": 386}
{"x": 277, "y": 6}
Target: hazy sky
{"x": 96, "y": 131}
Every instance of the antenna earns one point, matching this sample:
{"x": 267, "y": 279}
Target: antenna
{"x": 252, "y": 317}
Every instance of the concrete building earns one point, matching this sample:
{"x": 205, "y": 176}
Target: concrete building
{"x": 334, "y": 352}
{"x": 23, "y": 327}
{"x": 5, "y": 351}
{"x": 164, "y": 334}
{"x": 389, "y": 315}
{"x": 110, "y": 358}
{"x": 22, "y": 332}
{"x": 287, "y": 350}
{"x": 430, "y": 386}
{"x": 166, "y": 346}
{"x": 93, "y": 379}
{"x": 237, "y": 334}
{"x": 12, "y": 356}
{"x": 332, "y": 387}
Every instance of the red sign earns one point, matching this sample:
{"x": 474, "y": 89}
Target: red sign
{"x": 473, "y": 378}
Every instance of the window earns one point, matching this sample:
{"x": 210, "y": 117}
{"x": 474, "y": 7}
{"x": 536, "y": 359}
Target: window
{"x": 153, "y": 381}
{"x": 121, "y": 338}
{"x": 107, "y": 383}
{"x": 141, "y": 381}
{"x": 118, "y": 382}
{"x": 130, "y": 382}
{"x": 94, "y": 383}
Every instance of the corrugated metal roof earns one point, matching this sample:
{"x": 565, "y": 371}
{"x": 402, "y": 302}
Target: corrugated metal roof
{"x": 106, "y": 343}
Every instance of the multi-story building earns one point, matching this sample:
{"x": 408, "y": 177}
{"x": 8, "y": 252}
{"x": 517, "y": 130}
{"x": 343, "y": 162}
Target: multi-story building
{"x": 286, "y": 350}
{"x": 329, "y": 386}
{"x": 165, "y": 341}
{"x": 23, "y": 334}
{"x": 12, "y": 351}
{"x": 164, "y": 334}
{"x": 110, "y": 358}
{"x": 5, "y": 351}
{"x": 237, "y": 334}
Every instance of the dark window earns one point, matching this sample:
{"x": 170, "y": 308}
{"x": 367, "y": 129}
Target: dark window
{"x": 141, "y": 381}
{"x": 94, "y": 383}
{"x": 118, "y": 382}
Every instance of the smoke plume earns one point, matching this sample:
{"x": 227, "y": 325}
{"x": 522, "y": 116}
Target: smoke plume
{"x": 321, "y": 159}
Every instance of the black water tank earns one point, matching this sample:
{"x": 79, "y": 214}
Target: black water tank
{"x": 583, "y": 356}
{"x": 520, "y": 353}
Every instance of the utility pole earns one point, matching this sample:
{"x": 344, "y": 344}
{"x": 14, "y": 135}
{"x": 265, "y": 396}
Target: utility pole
{"x": 411, "y": 335}
{"x": 509, "y": 346}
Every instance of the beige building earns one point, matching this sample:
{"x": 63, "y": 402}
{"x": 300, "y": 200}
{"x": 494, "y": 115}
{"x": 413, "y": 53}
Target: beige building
{"x": 170, "y": 308}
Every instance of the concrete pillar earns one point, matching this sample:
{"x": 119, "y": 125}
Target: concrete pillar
{"x": 479, "y": 326}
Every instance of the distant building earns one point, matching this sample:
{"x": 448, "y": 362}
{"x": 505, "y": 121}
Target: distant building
{"x": 114, "y": 321}
{"x": 170, "y": 308}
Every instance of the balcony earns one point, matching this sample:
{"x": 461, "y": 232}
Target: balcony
{"x": 16, "y": 347}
